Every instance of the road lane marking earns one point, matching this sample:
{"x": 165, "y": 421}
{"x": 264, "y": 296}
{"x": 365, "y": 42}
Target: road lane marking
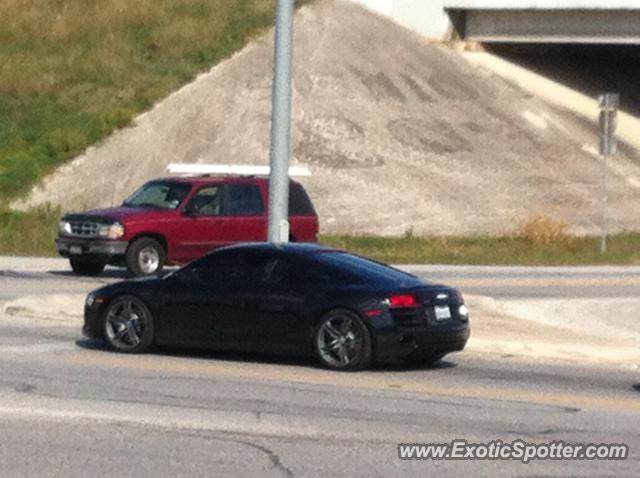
{"x": 363, "y": 380}
{"x": 37, "y": 348}
{"x": 180, "y": 419}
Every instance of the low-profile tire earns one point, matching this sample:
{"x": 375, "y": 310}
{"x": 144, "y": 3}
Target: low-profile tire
{"x": 145, "y": 257}
{"x": 342, "y": 341}
{"x": 86, "y": 268}
{"x": 128, "y": 325}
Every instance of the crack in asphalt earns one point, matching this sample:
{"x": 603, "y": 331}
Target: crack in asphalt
{"x": 273, "y": 457}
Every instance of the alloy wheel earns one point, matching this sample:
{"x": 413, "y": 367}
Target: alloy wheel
{"x": 341, "y": 341}
{"x": 125, "y": 324}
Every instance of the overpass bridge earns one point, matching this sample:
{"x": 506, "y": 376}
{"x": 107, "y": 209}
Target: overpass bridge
{"x": 519, "y": 21}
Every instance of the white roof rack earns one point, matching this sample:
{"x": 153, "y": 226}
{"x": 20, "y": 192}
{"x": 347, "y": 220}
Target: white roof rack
{"x": 231, "y": 169}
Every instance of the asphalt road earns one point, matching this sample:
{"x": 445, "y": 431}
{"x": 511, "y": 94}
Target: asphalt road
{"x": 70, "y": 408}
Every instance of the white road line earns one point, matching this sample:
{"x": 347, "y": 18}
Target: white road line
{"x": 37, "y": 348}
{"x": 176, "y": 419}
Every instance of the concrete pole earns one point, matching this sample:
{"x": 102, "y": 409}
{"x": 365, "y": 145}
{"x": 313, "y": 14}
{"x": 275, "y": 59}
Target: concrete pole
{"x": 281, "y": 124}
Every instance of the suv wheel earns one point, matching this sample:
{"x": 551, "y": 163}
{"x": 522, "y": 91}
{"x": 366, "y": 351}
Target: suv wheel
{"x": 86, "y": 268}
{"x": 145, "y": 257}
{"x": 342, "y": 341}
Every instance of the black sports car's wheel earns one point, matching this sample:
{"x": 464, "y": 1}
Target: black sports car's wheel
{"x": 86, "y": 268}
{"x": 128, "y": 325}
{"x": 145, "y": 257}
{"x": 342, "y": 341}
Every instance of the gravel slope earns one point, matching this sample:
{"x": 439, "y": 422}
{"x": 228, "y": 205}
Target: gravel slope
{"x": 401, "y": 135}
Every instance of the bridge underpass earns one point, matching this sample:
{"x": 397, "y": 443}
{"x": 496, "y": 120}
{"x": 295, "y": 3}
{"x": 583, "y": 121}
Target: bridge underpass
{"x": 546, "y": 21}
{"x": 589, "y": 69}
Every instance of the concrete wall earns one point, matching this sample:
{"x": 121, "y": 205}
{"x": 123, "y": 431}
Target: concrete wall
{"x": 540, "y": 4}
{"x": 554, "y": 26}
{"x": 426, "y": 17}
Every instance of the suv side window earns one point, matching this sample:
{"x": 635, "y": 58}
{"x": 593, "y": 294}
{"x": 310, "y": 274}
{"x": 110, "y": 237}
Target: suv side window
{"x": 206, "y": 202}
{"x": 243, "y": 200}
{"x": 299, "y": 202}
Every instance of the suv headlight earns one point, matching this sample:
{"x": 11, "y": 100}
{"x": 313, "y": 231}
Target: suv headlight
{"x": 65, "y": 227}
{"x": 111, "y": 231}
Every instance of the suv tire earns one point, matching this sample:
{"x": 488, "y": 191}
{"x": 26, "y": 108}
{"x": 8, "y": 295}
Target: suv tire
{"x": 145, "y": 257}
{"x": 86, "y": 268}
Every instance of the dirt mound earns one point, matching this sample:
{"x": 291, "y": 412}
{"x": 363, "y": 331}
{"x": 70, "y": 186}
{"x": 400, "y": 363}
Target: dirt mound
{"x": 400, "y": 135}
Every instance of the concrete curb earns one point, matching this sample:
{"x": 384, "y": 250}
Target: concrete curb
{"x": 61, "y": 308}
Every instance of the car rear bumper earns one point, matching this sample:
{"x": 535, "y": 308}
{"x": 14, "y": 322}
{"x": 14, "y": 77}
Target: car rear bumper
{"x": 401, "y": 342}
{"x": 91, "y": 249}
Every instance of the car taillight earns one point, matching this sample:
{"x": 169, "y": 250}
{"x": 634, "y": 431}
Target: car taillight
{"x": 402, "y": 301}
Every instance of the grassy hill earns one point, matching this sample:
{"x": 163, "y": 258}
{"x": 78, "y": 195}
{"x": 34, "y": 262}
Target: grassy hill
{"x": 72, "y": 71}
{"x": 406, "y": 138}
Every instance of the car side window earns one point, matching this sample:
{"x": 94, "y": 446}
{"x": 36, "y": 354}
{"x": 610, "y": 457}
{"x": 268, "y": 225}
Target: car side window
{"x": 243, "y": 200}
{"x": 231, "y": 269}
{"x": 275, "y": 271}
{"x": 292, "y": 274}
{"x": 206, "y": 202}
{"x": 200, "y": 268}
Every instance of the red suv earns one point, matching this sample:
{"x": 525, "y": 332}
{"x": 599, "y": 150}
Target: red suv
{"x": 175, "y": 220}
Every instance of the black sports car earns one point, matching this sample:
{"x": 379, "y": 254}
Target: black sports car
{"x": 298, "y": 299}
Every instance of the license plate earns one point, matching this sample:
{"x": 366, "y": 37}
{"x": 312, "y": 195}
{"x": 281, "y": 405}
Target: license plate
{"x": 442, "y": 312}
{"x": 75, "y": 250}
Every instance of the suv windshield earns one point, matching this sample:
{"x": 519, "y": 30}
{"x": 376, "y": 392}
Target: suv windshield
{"x": 159, "y": 195}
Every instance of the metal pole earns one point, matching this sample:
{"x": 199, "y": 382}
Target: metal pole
{"x": 603, "y": 239}
{"x": 281, "y": 124}
{"x": 605, "y": 153}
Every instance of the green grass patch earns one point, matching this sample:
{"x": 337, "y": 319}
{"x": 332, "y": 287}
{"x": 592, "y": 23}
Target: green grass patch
{"x": 33, "y": 233}
{"x": 73, "y": 71}
{"x": 28, "y": 233}
{"x": 506, "y": 250}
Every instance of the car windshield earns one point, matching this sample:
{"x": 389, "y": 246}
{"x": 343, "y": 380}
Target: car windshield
{"x": 159, "y": 195}
{"x": 364, "y": 268}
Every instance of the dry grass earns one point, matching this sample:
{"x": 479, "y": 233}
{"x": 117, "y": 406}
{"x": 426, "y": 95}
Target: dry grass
{"x": 542, "y": 229}
{"x": 505, "y": 250}
{"x": 33, "y": 233}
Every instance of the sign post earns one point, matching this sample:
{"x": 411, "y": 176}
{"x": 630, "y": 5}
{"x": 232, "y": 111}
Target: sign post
{"x": 609, "y": 104}
{"x": 281, "y": 123}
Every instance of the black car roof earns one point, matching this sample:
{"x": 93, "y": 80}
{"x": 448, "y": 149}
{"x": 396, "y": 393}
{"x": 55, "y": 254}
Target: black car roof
{"x": 289, "y": 248}
{"x": 356, "y": 265}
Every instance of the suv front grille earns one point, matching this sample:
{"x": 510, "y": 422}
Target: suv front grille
{"x": 84, "y": 229}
